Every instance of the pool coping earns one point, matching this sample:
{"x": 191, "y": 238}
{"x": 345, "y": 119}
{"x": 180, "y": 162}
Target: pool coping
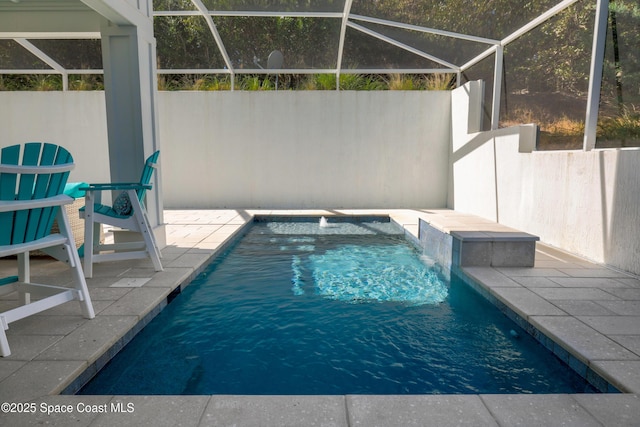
{"x": 186, "y": 255}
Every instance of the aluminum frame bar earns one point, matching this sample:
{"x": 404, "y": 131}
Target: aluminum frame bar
{"x": 595, "y": 75}
{"x": 262, "y": 14}
{"x": 498, "y": 50}
{"x": 401, "y": 45}
{"x": 402, "y": 71}
{"x": 301, "y": 71}
{"x": 343, "y": 32}
{"x": 537, "y": 21}
{"x": 487, "y": 53}
{"x": 46, "y": 59}
{"x": 214, "y": 31}
{"x": 521, "y": 31}
{"x": 421, "y": 29}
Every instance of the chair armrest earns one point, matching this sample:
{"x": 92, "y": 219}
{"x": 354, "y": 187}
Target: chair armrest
{"x": 19, "y": 205}
{"x": 116, "y": 186}
{"x": 7, "y": 280}
{"x": 36, "y": 169}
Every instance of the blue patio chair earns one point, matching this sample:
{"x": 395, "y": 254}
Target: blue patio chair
{"x": 31, "y": 196}
{"x": 128, "y": 212}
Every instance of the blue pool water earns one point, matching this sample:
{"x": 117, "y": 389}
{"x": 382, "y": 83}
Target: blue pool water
{"x": 293, "y": 308}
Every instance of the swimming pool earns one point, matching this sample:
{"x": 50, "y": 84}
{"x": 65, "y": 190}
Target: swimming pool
{"x": 284, "y": 312}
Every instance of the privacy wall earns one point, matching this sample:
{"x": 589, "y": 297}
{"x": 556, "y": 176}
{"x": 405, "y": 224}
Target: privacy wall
{"x": 284, "y": 149}
{"x": 305, "y": 149}
{"x": 74, "y": 120}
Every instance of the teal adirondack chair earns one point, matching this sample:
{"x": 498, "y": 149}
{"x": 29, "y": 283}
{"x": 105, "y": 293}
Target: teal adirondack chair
{"x": 127, "y": 212}
{"x": 32, "y": 180}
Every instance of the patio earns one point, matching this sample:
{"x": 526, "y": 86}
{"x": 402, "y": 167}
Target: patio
{"x": 590, "y": 311}
{"x": 446, "y": 150}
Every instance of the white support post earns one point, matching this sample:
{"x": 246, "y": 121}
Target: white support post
{"x": 497, "y": 85}
{"x": 130, "y": 81}
{"x": 123, "y": 95}
{"x": 595, "y": 75}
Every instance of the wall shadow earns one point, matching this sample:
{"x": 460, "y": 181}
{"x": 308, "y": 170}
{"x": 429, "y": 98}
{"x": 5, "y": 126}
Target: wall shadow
{"x": 621, "y": 216}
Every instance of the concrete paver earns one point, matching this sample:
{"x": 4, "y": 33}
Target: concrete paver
{"x": 539, "y": 410}
{"x": 419, "y": 411}
{"x": 612, "y": 410}
{"x": 285, "y": 411}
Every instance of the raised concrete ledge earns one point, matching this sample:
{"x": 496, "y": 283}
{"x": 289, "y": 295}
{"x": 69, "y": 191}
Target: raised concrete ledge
{"x": 475, "y": 242}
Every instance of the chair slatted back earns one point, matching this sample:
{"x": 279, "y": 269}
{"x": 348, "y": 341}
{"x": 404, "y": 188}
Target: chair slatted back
{"x": 147, "y": 173}
{"x": 42, "y": 172}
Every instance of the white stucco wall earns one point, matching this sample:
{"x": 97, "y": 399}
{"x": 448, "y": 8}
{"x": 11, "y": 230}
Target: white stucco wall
{"x": 583, "y": 202}
{"x": 74, "y": 120}
{"x": 316, "y": 149}
{"x": 263, "y": 149}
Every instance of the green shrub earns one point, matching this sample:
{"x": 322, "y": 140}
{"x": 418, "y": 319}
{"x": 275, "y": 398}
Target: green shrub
{"x": 325, "y": 81}
{"x": 623, "y": 127}
{"x": 254, "y": 83}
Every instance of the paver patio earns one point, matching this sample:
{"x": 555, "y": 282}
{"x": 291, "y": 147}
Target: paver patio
{"x": 592, "y": 312}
